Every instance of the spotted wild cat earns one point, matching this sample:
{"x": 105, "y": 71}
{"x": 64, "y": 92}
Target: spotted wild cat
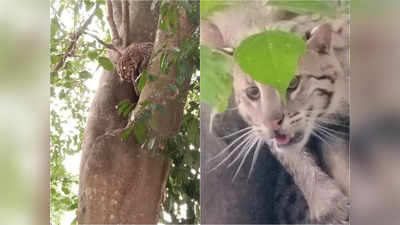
{"x": 308, "y": 134}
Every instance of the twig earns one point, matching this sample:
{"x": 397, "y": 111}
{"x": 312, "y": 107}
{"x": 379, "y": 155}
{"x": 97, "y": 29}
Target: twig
{"x": 138, "y": 78}
{"x": 75, "y": 37}
{"x": 125, "y": 22}
{"x": 74, "y": 55}
{"x": 56, "y": 15}
{"x": 109, "y": 46}
{"x": 110, "y": 17}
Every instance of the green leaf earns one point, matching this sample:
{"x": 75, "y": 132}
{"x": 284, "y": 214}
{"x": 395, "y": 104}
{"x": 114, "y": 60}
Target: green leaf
{"x": 126, "y": 133}
{"x": 161, "y": 109}
{"x": 53, "y": 78}
{"x": 164, "y": 23}
{"x": 208, "y": 7}
{"x": 128, "y": 109}
{"x": 62, "y": 94}
{"x": 88, "y": 5}
{"x": 140, "y": 132}
{"x": 125, "y": 107}
{"x": 55, "y": 59}
{"x": 164, "y": 63}
{"x": 271, "y": 58}
{"x": 193, "y": 131}
{"x": 172, "y": 88}
{"x": 151, "y": 77}
{"x": 54, "y": 27}
{"x": 122, "y": 108}
{"x": 106, "y": 63}
{"x": 123, "y": 102}
{"x": 173, "y": 19}
{"x": 321, "y": 7}
{"x": 145, "y": 104}
{"x": 92, "y": 55}
{"x": 184, "y": 69}
{"x": 99, "y": 13}
{"x": 85, "y": 75}
{"x": 65, "y": 190}
{"x": 142, "y": 81}
{"x": 216, "y": 70}
{"x": 52, "y": 92}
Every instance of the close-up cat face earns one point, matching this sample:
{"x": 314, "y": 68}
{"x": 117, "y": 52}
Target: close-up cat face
{"x": 315, "y": 91}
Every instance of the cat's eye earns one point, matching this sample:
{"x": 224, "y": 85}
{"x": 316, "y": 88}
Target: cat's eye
{"x": 253, "y": 93}
{"x": 294, "y": 83}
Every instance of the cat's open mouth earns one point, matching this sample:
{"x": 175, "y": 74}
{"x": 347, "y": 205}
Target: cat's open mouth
{"x": 283, "y": 140}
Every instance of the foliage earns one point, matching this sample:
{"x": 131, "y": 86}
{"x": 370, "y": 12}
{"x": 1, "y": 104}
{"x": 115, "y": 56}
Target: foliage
{"x": 322, "y": 7}
{"x": 183, "y": 185}
{"x": 271, "y": 58}
{"x": 208, "y": 7}
{"x": 72, "y": 91}
{"x": 216, "y": 70}
{"x": 69, "y": 95}
{"x": 106, "y": 63}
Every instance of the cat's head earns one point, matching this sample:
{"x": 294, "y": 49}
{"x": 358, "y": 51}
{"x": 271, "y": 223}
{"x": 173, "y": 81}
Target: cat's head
{"x": 312, "y": 93}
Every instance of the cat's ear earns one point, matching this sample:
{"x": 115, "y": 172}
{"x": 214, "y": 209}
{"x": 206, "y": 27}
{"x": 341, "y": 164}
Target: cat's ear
{"x": 320, "y": 39}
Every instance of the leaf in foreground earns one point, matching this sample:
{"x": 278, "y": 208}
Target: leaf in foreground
{"x": 271, "y": 58}
{"x": 321, "y": 7}
{"x": 106, "y": 63}
{"x": 208, "y": 7}
{"x": 216, "y": 79}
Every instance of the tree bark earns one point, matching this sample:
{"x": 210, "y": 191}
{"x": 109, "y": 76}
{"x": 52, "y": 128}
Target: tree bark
{"x": 120, "y": 182}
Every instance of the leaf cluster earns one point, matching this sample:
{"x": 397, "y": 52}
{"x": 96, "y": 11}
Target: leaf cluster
{"x": 70, "y": 95}
{"x": 269, "y": 57}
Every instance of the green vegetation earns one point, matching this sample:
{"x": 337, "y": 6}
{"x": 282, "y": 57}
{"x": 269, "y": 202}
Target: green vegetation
{"x": 72, "y": 90}
{"x": 271, "y": 58}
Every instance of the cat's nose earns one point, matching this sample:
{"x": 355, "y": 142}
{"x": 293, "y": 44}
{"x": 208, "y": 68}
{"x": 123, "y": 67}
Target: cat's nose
{"x": 276, "y": 121}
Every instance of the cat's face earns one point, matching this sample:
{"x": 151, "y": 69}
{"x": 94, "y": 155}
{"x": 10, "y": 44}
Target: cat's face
{"x": 311, "y": 95}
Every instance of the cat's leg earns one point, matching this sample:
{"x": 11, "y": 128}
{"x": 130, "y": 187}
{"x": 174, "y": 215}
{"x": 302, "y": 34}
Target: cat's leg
{"x": 326, "y": 201}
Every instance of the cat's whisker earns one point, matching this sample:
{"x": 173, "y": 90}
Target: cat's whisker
{"x": 243, "y": 160}
{"x": 333, "y": 123}
{"x": 260, "y": 143}
{"x": 330, "y": 130}
{"x": 230, "y": 145}
{"x": 234, "y": 108}
{"x": 230, "y": 154}
{"x": 327, "y": 123}
{"x": 330, "y": 122}
{"x": 241, "y": 152}
{"x": 326, "y": 134}
{"x": 237, "y": 132}
{"x": 249, "y": 144}
{"x": 334, "y": 133}
{"x": 321, "y": 138}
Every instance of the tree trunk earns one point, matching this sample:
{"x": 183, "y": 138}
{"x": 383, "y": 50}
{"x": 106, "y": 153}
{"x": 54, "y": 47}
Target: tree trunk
{"x": 120, "y": 182}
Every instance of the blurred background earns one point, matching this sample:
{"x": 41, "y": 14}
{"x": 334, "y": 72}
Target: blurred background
{"x": 375, "y": 112}
{"x": 24, "y": 110}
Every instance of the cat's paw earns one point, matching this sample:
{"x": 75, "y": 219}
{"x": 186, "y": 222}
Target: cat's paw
{"x": 337, "y": 211}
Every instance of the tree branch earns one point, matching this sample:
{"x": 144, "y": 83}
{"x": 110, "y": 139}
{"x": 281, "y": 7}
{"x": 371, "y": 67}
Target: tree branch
{"x": 110, "y": 18}
{"x": 125, "y": 22}
{"x": 75, "y": 37}
{"x": 109, "y": 46}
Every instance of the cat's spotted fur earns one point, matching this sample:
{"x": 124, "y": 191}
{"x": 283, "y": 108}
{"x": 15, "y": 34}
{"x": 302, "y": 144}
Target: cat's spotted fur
{"x": 316, "y": 99}
{"x": 132, "y": 62}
